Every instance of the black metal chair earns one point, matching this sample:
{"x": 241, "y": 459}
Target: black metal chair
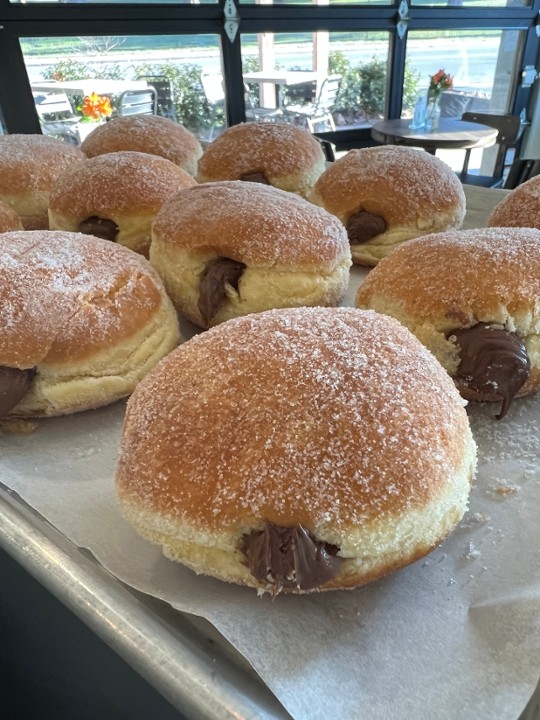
{"x": 520, "y": 172}
{"x": 510, "y": 129}
{"x": 164, "y": 93}
{"x": 137, "y": 102}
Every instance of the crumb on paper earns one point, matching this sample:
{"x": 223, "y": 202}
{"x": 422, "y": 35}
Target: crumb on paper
{"x": 18, "y": 425}
{"x": 472, "y": 551}
{"x": 506, "y": 488}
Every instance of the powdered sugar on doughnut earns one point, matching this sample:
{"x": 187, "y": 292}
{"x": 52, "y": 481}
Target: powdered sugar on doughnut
{"x": 117, "y": 183}
{"x": 149, "y": 134}
{"x": 33, "y": 162}
{"x": 520, "y": 208}
{"x": 65, "y": 294}
{"x": 478, "y": 273}
{"x": 252, "y": 223}
{"x": 274, "y": 149}
{"x": 402, "y": 185}
{"x": 325, "y": 415}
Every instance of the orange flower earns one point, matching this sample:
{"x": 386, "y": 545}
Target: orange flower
{"x": 96, "y": 106}
{"x": 440, "y": 82}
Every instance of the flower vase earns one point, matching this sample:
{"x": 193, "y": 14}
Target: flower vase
{"x": 433, "y": 113}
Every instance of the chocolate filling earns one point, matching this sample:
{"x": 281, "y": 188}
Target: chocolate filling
{"x": 362, "y": 226}
{"x": 216, "y": 275}
{"x": 14, "y": 385}
{"x": 257, "y": 177}
{"x": 99, "y": 227}
{"x": 289, "y": 557}
{"x": 493, "y": 362}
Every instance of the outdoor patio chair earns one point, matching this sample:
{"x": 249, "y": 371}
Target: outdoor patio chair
{"x": 164, "y": 93}
{"x": 137, "y": 102}
{"x": 319, "y": 112}
{"x": 510, "y": 129}
{"x": 212, "y": 85}
{"x": 260, "y": 114}
{"x": 57, "y": 118}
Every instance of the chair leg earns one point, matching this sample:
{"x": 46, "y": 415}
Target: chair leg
{"x": 465, "y": 168}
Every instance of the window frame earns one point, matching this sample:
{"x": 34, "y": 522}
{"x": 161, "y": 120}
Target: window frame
{"x": 45, "y": 20}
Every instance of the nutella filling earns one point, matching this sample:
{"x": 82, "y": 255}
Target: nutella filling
{"x": 289, "y": 557}
{"x": 101, "y": 228}
{"x": 212, "y": 288}
{"x": 257, "y": 177}
{"x": 494, "y": 361}
{"x": 362, "y": 226}
{"x": 14, "y": 385}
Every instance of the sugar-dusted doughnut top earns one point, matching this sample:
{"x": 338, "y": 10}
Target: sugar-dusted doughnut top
{"x": 312, "y": 416}
{"x": 32, "y": 162}
{"x": 275, "y": 149}
{"x": 117, "y": 183}
{"x": 9, "y": 219}
{"x": 252, "y": 223}
{"x": 151, "y": 134}
{"x": 65, "y": 296}
{"x": 520, "y": 208}
{"x": 400, "y": 184}
{"x": 461, "y": 276}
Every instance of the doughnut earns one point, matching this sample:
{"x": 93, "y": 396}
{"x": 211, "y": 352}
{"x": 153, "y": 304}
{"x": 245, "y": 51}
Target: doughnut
{"x": 9, "y": 220}
{"x": 520, "y": 208}
{"x": 29, "y": 165}
{"x": 473, "y": 298}
{"x": 297, "y": 450}
{"x": 232, "y": 248}
{"x": 123, "y": 192}
{"x": 151, "y": 134}
{"x": 388, "y": 194}
{"x": 284, "y": 156}
{"x": 82, "y": 320}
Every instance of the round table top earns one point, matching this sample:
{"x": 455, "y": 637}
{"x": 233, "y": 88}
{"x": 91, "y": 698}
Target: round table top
{"x": 450, "y": 134}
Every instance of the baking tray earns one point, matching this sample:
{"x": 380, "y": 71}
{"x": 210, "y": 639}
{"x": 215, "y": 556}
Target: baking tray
{"x": 181, "y": 655}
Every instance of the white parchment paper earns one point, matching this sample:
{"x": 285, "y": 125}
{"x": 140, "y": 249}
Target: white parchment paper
{"x": 455, "y": 636}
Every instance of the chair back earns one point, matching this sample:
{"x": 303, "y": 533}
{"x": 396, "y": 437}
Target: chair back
{"x": 509, "y": 133}
{"x": 138, "y": 102}
{"x": 164, "y": 94}
{"x": 57, "y": 118}
{"x": 212, "y": 85}
{"x": 53, "y": 107}
{"x": 327, "y": 94}
{"x": 520, "y": 172}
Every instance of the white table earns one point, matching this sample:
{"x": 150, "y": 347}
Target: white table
{"x": 88, "y": 86}
{"x": 280, "y": 78}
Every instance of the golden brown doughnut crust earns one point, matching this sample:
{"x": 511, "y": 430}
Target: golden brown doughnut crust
{"x": 447, "y": 281}
{"x": 520, "y": 208}
{"x": 29, "y": 165}
{"x": 414, "y": 192}
{"x": 148, "y": 134}
{"x": 252, "y": 223}
{"x": 289, "y": 157}
{"x": 117, "y": 183}
{"x": 335, "y": 419}
{"x": 9, "y": 220}
{"x": 78, "y": 295}
{"x": 33, "y": 162}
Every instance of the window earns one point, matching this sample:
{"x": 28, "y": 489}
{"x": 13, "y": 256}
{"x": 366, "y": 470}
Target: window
{"x": 383, "y": 54}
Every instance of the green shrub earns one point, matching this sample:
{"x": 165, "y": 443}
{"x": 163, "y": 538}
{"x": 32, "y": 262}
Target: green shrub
{"x": 191, "y": 107}
{"x": 363, "y": 87}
